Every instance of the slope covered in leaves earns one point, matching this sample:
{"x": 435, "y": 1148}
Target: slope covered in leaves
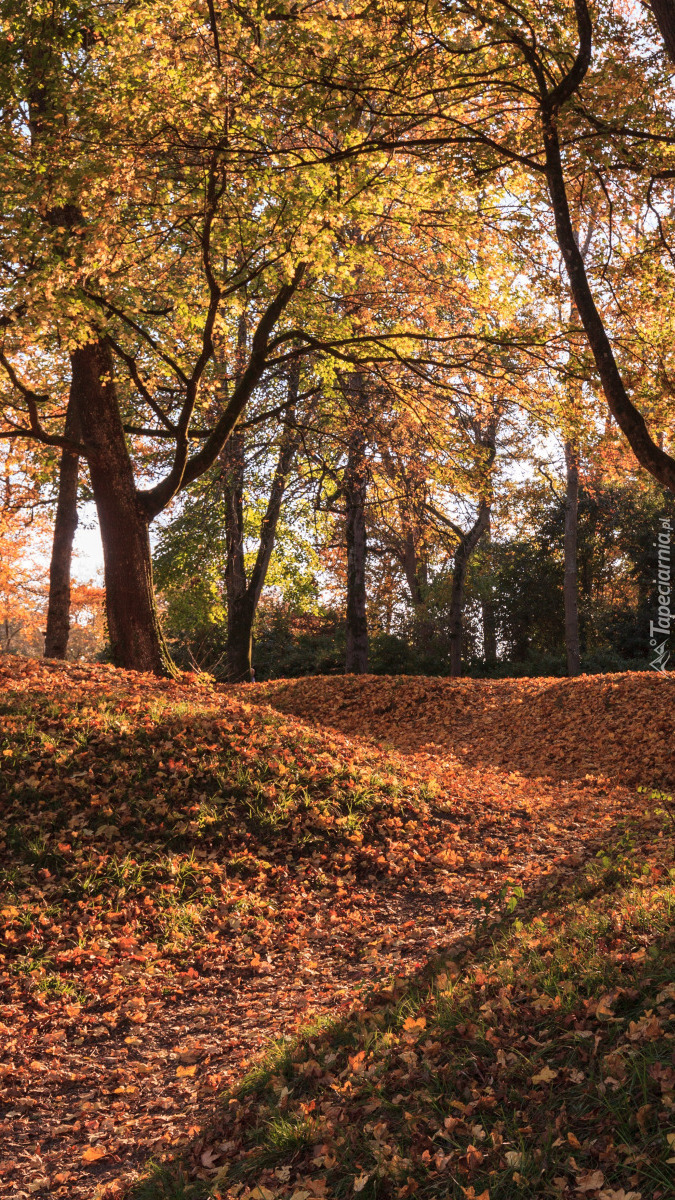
{"x": 185, "y": 874}
{"x": 618, "y": 726}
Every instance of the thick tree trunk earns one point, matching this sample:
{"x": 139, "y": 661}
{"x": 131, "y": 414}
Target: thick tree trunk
{"x": 456, "y": 619}
{"x": 664, "y": 12}
{"x": 411, "y": 570}
{"x": 355, "y": 490}
{"x": 415, "y": 572}
{"x": 240, "y": 616}
{"x": 133, "y": 624}
{"x": 462, "y": 558}
{"x": 571, "y": 579}
{"x": 65, "y": 524}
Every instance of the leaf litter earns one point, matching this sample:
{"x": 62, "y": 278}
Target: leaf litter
{"x": 187, "y": 875}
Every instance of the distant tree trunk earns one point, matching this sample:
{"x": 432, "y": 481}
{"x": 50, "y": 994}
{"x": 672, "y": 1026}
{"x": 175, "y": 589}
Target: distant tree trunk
{"x": 463, "y": 554}
{"x": 415, "y": 572}
{"x": 411, "y": 570}
{"x": 489, "y": 617}
{"x": 135, "y": 635}
{"x": 243, "y": 595}
{"x": 65, "y": 525}
{"x": 238, "y": 653}
{"x": 571, "y": 580}
{"x": 355, "y": 491}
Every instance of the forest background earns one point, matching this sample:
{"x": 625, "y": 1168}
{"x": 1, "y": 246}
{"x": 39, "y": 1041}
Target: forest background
{"x": 352, "y": 323}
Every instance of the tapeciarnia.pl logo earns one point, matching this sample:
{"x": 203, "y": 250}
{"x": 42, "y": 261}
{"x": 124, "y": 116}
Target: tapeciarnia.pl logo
{"x": 659, "y": 630}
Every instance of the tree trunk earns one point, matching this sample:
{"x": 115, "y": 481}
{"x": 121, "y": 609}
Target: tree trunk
{"x": 664, "y": 12}
{"x": 238, "y": 652}
{"x": 489, "y": 615}
{"x": 489, "y": 618}
{"x": 571, "y": 581}
{"x": 629, "y": 419}
{"x": 415, "y": 572}
{"x": 240, "y": 616}
{"x": 462, "y": 558}
{"x": 65, "y": 524}
{"x": 243, "y": 596}
{"x": 136, "y": 639}
{"x": 355, "y": 489}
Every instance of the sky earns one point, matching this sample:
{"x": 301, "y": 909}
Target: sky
{"x": 88, "y": 557}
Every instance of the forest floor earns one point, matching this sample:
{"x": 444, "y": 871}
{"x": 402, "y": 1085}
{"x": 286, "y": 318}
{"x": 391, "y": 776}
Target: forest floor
{"x": 191, "y": 873}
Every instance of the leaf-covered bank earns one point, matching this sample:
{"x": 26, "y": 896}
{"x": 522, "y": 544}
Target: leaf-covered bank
{"x": 187, "y": 875}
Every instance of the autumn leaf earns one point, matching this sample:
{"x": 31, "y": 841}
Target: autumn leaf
{"x": 93, "y": 1153}
{"x": 474, "y": 1157}
{"x": 546, "y": 1075}
{"x": 413, "y": 1025}
{"x": 589, "y": 1181}
{"x": 618, "y": 1194}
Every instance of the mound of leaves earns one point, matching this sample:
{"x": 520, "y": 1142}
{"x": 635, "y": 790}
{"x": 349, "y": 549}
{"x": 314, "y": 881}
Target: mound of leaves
{"x": 185, "y": 874}
{"x": 621, "y": 727}
{"x": 164, "y": 853}
{"x": 536, "y": 1061}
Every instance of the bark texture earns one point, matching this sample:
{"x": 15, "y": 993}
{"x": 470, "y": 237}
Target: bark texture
{"x": 571, "y": 581}
{"x": 238, "y": 651}
{"x": 243, "y": 595}
{"x": 65, "y": 525}
{"x": 664, "y": 13}
{"x": 489, "y": 619}
{"x": 355, "y": 493}
{"x": 133, "y": 624}
{"x": 463, "y": 553}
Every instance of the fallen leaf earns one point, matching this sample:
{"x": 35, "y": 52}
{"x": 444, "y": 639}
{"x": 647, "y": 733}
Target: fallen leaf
{"x": 589, "y": 1181}
{"x": 544, "y": 1076}
{"x": 93, "y": 1153}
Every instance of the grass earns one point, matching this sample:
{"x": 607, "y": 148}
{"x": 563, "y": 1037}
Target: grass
{"x": 539, "y": 1062}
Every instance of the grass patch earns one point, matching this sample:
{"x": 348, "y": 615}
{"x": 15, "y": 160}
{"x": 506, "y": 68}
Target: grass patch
{"x": 538, "y": 1062}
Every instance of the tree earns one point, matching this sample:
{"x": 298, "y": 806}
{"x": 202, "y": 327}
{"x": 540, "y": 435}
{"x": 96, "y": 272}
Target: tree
{"x": 65, "y": 525}
{"x": 664, "y": 14}
{"x": 355, "y": 489}
{"x": 570, "y": 584}
{"x": 511, "y": 93}
{"x": 163, "y": 210}
{"x": 549, "y": 68}
{"x": 243, "y": 592}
